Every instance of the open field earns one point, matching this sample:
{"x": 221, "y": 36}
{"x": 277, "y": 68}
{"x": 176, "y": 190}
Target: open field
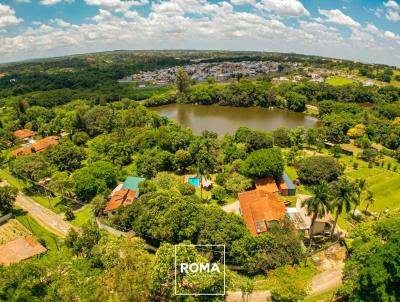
{"x": 338, "y": 81}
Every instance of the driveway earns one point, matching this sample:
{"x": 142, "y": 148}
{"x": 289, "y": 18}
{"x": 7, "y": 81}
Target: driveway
{"x": 45, "y": 217}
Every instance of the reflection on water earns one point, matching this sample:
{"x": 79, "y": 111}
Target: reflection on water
{"x": 224, "y": 119}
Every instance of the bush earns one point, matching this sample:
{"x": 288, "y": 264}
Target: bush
{"x": 312, "y": 170}
{"x": 187, "y": 189}
{"x": 69, "y": 215}
{"x": 219, "y": 194}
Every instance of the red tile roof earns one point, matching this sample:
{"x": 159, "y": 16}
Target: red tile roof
{"x": 24, "y": 133}
{"x": 120, "y": 198}
{"x": 39, "y": 146}
{"x": 259, "y": 207}
{"x": 267, "y": 184}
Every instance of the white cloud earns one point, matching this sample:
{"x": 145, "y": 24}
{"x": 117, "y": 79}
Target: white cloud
{"x": 53, "y": 2}
{"x": 393, "y": 11}
{"x": 288, "y": 8}
{"x": 116, "y": 5}
{"x": 22, "y": 1}
{"x": 197, "y": 24}
{"x": 8, "y": 17}
{"x": 243, "y": 2}
{"x": 336, "y": 16}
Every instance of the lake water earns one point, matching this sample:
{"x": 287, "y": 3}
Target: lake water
{"x": 225, "y": 119}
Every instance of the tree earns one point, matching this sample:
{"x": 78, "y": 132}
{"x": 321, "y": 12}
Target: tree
{"x": 312, "y": 170}
{"x": 236, "y": 183}
{"x": 80, "y": 138}
{"x": 296, "y": 101}
{"x": 343, "y": 197}
{"x": 369, "y": 200}
{"x": 281, "y": 137}
{"x": 360, "y": 186}
{"x": 33, "y": 166}
{"x": 258, "y": 140}
{"x": 371, "y": 273}
{"x": 335, "y": 150}
{"x": 264, "y": 162}
{"x": 182, "y": 80}
{"x": 65, "y": 156}
{"x": 318, "y": 205}
{"x": 219, "y": 194}
{"x": 7, "y": 198}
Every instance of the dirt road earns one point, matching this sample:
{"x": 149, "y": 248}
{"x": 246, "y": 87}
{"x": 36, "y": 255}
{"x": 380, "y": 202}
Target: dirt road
{"x": 45, "y": 217}
{"x": 327, "y": 280}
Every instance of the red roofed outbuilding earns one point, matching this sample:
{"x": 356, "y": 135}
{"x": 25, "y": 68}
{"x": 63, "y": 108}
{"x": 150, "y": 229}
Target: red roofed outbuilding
{"x": 24, "y": 133}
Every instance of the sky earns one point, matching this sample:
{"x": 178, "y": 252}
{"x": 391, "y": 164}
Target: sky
{"x": 361, "y": 30}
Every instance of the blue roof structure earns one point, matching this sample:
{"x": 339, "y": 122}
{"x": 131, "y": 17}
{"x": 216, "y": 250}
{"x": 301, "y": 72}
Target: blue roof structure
{"x": 132, "y": 183}
{"x": 288, "y": 181}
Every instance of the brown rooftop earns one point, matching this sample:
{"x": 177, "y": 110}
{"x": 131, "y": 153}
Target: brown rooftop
{"x": 259, "y": 208}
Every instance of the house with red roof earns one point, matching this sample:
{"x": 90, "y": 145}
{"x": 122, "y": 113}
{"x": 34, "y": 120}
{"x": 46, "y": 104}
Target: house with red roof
{"x": 120, "y": 198}
{"x": 24, "y": 134}
{"x": 37, "y": 147}
{"x": 260, "y": 209}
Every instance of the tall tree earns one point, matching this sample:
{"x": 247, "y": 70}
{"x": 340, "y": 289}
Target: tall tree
{"x": 343, "y": 192}
{"x": 318, "y": 205}
{"x": 7, "y": 198}
{"x": 359, "y": 187}
{"x": 369, "y": 200}
{"x": 182, "y": 80}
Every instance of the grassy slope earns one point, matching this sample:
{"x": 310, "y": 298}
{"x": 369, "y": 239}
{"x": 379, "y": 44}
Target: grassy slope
{"x": 49, "y": 238}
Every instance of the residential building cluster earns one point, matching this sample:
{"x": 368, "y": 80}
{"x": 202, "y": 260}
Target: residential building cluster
{"x": 220, "y": 72}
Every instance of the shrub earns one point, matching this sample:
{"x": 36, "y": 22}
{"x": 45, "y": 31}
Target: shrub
{"x": 219, "y": 194}
{"x": 187, "y": 189}
{"x": 69, "y": 215}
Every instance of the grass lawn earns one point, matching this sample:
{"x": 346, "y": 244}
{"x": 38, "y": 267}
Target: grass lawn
{"x": 339, "y": 81}
{"x": 11, "y": 179}
{"x": 147, "y": 92}
{"x": 51, "y": 240}
{"x": 384, "y": 184}
{"x": 82, "y": 216}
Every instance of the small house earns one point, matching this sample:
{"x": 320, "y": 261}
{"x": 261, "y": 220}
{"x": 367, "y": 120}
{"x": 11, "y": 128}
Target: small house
{"x": 132, "y": 183}
{"x": 286, "y": 186}
{"x": 24, "y": 134}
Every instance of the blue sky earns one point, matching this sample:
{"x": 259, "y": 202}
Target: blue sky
{"x": 366, "y": 30}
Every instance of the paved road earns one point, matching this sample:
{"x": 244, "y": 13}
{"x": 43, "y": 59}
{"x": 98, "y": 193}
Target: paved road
{"x": 45, "y": 217}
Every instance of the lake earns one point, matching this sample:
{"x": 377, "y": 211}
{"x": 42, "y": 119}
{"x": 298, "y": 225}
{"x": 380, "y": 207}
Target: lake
{"x": 225, "y": 119}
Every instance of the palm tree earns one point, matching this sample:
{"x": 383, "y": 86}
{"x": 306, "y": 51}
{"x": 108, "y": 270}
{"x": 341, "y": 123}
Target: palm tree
{"x": 318, "y": 205}
{"x": 343, "y": 198}
{"x": 360, "y": 186}
{"x": 369, "y": 200}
